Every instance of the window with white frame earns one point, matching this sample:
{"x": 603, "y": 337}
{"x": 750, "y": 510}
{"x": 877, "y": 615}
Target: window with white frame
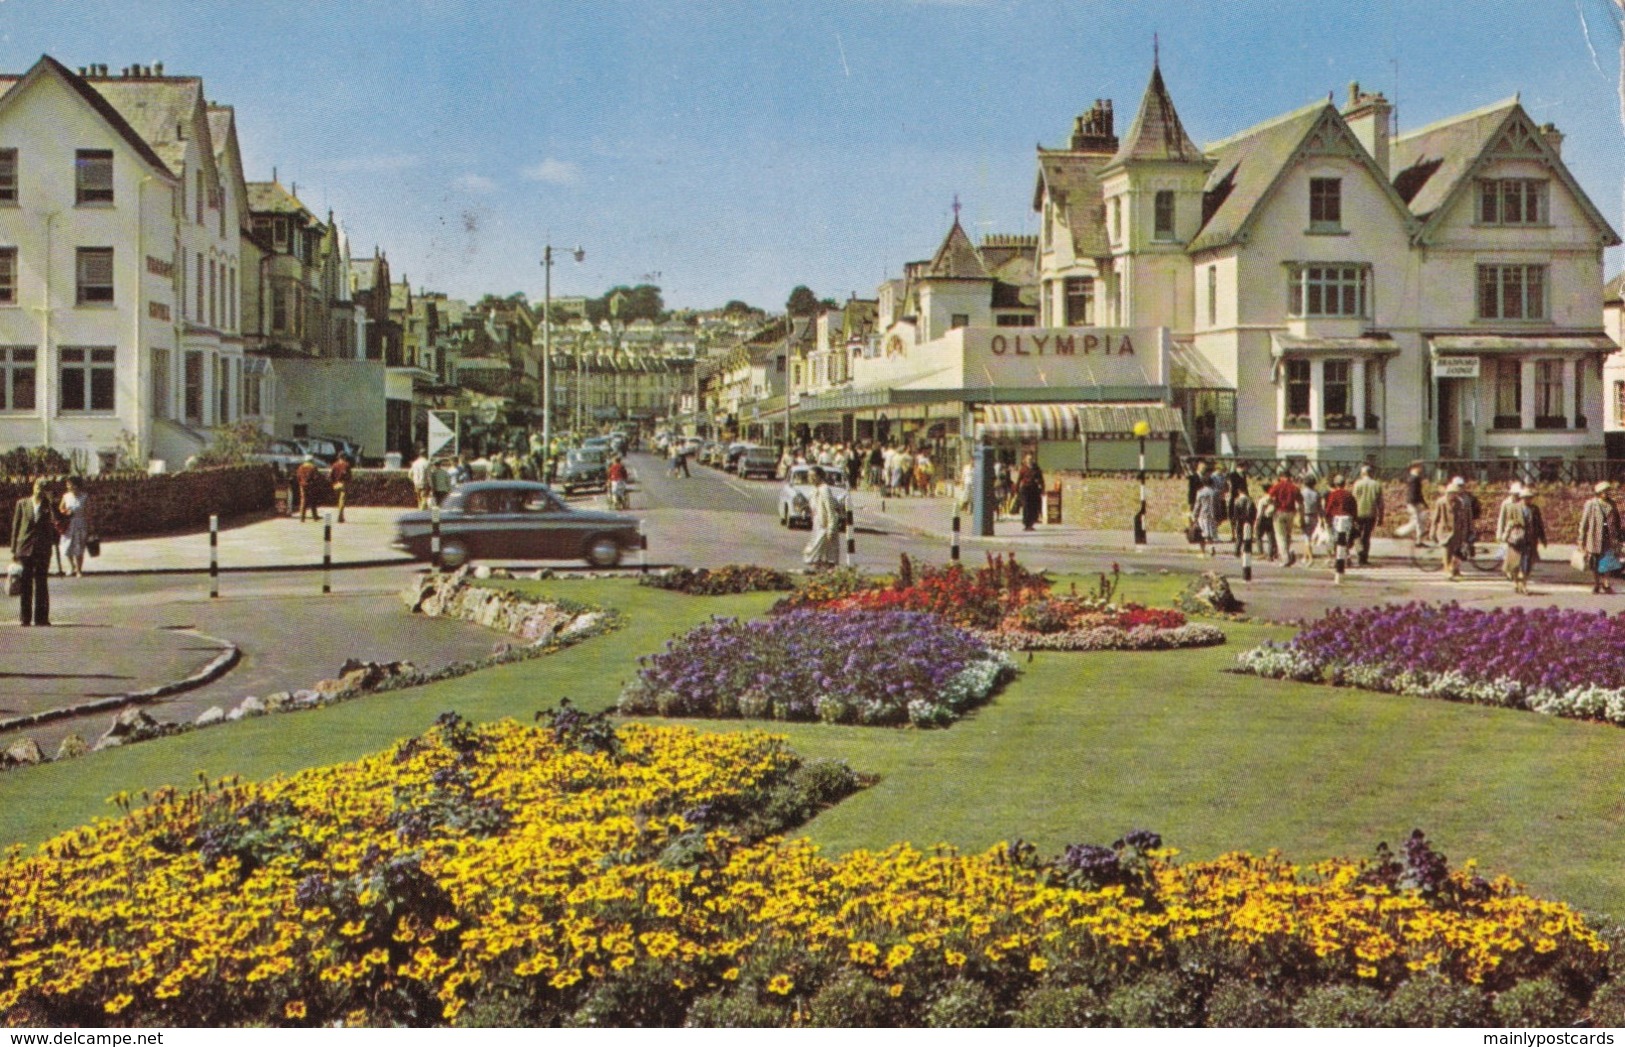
{"x": 1298, "y": 389}
{"x": 1509, "y": 394}
{"x": 8, "y": 276}
{"x": 93, "y": 176}
{"x": 1336, "y": 289}
{"x": 1549, "y": 395}
{"x": 1512, "y": 201}
{"x": 192, "y": 389}
{"x": 17, "y": 377}
{"x": 1212, "y": 295}
{"x": 1080, "y": 301}
{"x": 1512, "y": 292}
{"x": 94, "y": 267}
{"x": 1325, "y": 205}
{"x": 8, "y": 176}
{"x": 1337, "y": 394}
{"x": 279, "y": 310}
{"x": 85, "y": 378}
{"x": 251, "y": 393}
{"x": 202, "y": 291}
{"x": 160, "y": 383}
{"x": 1162, "y": 227}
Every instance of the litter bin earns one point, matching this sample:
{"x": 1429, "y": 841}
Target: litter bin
{"x": 1052, "y": 505}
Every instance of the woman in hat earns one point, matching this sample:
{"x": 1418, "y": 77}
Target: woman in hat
{"x": 1599, "y": 534}
{"x": 1525, "y": 534}
{"x": 1453, "y": 525}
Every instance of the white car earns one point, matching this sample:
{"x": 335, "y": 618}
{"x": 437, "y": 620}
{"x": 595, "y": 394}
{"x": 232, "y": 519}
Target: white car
{"x": 795, "y": 497}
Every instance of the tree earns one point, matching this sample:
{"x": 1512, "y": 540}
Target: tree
{"x": 802, "y": 302}
{"x": 735, "y": 308}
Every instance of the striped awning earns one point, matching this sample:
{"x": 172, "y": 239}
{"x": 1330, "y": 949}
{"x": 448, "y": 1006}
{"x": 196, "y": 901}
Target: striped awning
{"x": 1069, "y": 421}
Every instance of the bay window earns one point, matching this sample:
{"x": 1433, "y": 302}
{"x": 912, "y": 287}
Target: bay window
{"x": 1549, "y": 413}
{"x": 1298, "y": 387}
{"x": 1336, "y": 395}
{"x": 1508, "y": 394}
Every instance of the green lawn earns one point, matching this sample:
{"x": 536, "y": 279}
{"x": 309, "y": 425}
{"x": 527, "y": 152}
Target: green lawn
{"x": 1080, "y": 748}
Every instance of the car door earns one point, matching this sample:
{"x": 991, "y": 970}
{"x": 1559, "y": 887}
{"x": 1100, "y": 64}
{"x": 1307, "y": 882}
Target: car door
{"x": 548, "y": 524}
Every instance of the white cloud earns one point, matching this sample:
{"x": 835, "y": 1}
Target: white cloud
{"x": 475, "y": 183}
{"x": 553, "y": 172}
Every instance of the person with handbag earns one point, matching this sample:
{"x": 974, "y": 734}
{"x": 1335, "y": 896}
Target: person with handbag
{"x": 33, "y": 536}
{"x": 1598, "y": 539}
{"x": 1523, "y": 529}
{"x": 73, "y": 516}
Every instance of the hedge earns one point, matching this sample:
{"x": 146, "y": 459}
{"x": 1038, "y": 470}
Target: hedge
{"x": 131, "y": 504}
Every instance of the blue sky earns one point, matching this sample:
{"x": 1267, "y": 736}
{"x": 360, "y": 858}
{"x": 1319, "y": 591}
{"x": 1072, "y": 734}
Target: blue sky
{"x": 741, "y": 148}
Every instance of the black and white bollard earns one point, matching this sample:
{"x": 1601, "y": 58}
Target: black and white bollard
{"x": 1247, "y": 552}
{"x": 327, "y": 553}
{"x": 643, "y": 549}
{"x": 214, "y": 557}
{"x": 953, "y": 547}
{"x": 1139, "y": 517}
{"x": 1341, "y": 563}
{"x": 434, "y": 535}
{"x": 849, "y": 524}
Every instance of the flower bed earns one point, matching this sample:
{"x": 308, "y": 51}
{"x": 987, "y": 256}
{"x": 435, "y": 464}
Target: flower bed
{"x": 586, "y": 875}
{"x": 723, "y": 581}
{"x": 868, "y": 667}
{"x": 976, "y": 599}
{"x": 1559, "y": 662}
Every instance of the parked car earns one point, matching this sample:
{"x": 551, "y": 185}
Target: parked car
{"x": 795, "y": 497}
{"x": 516, "y": 520}
{"x": 730, "y": 457}
{"x": 708, "y": 452}
{"x": 759, "y": 461}
{"x": 351, "y": 449}
{"x": 321, "y": 447}
{"x": 584, "y": 467}
{"x": 285, "y": 456}
{"x": 692, "y": 445}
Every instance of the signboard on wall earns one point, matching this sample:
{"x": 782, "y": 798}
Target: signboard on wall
{"x": 1455, "y": 367}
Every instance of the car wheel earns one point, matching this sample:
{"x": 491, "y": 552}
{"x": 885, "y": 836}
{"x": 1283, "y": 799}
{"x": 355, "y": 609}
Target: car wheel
{"x": 603, "y": 551}
{"x": 453, "y": 554}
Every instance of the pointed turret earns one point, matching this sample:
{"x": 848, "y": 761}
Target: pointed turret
{"x": 957, "y": 258}
{"x": 1156, "y": 133}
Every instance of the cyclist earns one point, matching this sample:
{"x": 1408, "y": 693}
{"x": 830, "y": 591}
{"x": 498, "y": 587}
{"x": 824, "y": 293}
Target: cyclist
{"x": 617, "y": 483}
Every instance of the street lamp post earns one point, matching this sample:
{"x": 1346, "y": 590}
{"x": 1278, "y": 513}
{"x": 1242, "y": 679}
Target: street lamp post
{"x": 547, "y": 353}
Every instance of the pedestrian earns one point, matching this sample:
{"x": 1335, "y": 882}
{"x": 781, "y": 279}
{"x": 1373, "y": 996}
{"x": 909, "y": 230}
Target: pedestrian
{"x": 1288, "y": 500}
{"x": 967, "y": 480}
{"x": 1416, "y": 526}
{"x": 339, "y": 477}
{"x": 1030, "y": 489}
{"x": 1243, "y": 514}
{"x": 1219, "y": 480}
{"x": 1340, "y": 510}
{"x": 1003, "y": 495}
{"x": 461, "y": 473}
{"x": 674, "y": 458}
{"x": 1312, "y": 519}
{"x": 1599, "y": 536}
{"x": 1264, "y": 529}
{"x": 1193, "y": 483}
{"x": 877, "y": 465}
{"x": 925, "y": 474}
{"x": 1368, "y": 510}
{"x": 420, "y": 479}
{"x": 73, "y": 517}
{"x": 439, "y": 483}
{"x": 1205, "y": 520}
{"x": 1453, "y": 525}
{"x": 33, "y": 535}
{"x": 823, "y": 548}
{"x": 496, "y": 468}
{"x": 854, "y": 468}
{"x": 1238, "y": 487}
{"x": 1509, "y": 512}
{"x": 1534, "y": 538}
{"x": 304, "y": 477}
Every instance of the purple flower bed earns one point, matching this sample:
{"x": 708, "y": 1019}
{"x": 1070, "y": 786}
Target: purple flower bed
{"x": 868, "y": 667}
{"x": 1542, "y": 648}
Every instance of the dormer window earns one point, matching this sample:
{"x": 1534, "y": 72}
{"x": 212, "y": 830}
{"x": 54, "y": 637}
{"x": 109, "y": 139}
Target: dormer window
{"x": 1325, "y": 205}
{"x": 1512, "y": 201}
{"x": 1162, "y": 227}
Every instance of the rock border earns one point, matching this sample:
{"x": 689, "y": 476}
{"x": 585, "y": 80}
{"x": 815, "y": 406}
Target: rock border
{"x": 540, "y": 629}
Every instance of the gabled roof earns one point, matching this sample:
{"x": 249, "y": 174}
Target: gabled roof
{"x": 1075, "y": 179}
{"x": 956, "y": 259}
{"x": 1614, "y": 290}
{"x": 1156, "y": 133}
{"x": 1437, "y": 163}
{"x": 1245, "y": 166}
{"x": 165, "y": 111}
{"x": 12, "y": 87}
{"x": 273, "y": 198}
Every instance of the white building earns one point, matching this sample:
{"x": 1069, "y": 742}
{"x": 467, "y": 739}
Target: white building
{"x": 119, "y": 326}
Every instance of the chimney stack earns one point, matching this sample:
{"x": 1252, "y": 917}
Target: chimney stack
{"x": 1368, "y": 116}
{"x": 1554, "y": 138}
{"x": 158, "y": 69}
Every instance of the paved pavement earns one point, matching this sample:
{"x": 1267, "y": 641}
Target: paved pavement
{"x": 260, "y": 543}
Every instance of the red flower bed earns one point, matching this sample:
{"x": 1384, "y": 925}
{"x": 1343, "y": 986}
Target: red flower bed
{"x": 977, "y": 599}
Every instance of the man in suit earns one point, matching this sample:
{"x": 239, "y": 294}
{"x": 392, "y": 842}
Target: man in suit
{"x": 33, "y": 536}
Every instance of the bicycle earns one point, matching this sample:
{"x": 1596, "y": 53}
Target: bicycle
{"x": 1484, "y": 556}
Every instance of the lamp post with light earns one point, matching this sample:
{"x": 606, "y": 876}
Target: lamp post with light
{"x": 547, "y": 353}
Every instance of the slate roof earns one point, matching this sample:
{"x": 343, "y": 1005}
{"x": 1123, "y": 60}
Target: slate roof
{"x": 1245, "y": 166}
{"x": 1614, "y": 290}
{"x": 956, "y": 259}
{"x": 1075, "y": 178}
{"x": 160, "y": 111}
{"x": 272, "y": 197}
{"x": 94, "y": 98}
{"x": 1429, "y": 161}
{"x": 1156, "y": 133}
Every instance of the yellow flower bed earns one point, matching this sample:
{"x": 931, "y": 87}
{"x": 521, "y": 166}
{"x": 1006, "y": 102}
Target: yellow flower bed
{"x": 402, "y": 886}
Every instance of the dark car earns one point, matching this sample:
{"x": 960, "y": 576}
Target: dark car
{"x": 517, "y": 520}
{"x": 285, "y": 456}
{"x": 759, "y": 461}
{"x": 730, "y": 457}
{"x": 584, "y": 467}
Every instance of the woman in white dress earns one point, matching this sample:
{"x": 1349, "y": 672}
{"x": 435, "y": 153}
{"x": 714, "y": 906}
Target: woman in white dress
{"x": 823, "y": 549}
{"x": 75, "y": 514}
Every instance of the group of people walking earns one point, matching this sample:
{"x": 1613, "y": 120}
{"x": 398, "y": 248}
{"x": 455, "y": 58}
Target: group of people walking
{"x": 44, "y": 525}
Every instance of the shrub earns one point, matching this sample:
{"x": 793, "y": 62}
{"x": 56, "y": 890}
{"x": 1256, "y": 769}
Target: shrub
{"x": 1607, "y": 1009}
{"x": 854, "y": 1000}
{"x": 722, "y": 581}
{"x": 1431, "y": 1002}
{"x": 1342, "y": 1007}
{"x": 962, "y": 1005}
{"x": 734, "y": 1010}
{"x": 643, "y": 997}
{"x": 829, "y": 585}
{"x": 1540, "y": 1003}
{"x": 34, "y": 461}
{"x": 1238, "y": 1004}
{"x": 884, "y": 668}
{"x": 1157, "y": 1001}
{"x": 1060, "y": 1007}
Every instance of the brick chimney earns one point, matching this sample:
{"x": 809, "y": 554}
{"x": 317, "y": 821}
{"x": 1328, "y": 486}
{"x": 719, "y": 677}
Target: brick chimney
{"x": 1368, "y": 116}
{"x": 1092, "y": 131}
{"x": 1554, "y": 138}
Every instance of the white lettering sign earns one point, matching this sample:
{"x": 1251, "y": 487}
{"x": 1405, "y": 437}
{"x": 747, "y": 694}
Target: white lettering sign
{"x": 1455, "y": 367}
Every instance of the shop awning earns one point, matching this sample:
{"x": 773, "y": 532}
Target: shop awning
{"x": 1069, "y": 421}
{"x": 1292, "y": 345}
{"x": 1533, "y": 342}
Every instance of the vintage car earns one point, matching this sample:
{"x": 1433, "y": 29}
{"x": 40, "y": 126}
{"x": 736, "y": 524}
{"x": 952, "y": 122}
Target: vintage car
{"x": 795, "y": 497}
{"x": 758, "y": 461}
{"x": 584, "y": 467}
{"x": 730, "y": 457}
{"x": 285, "y": 456}
{"x": 516, "y": 520}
